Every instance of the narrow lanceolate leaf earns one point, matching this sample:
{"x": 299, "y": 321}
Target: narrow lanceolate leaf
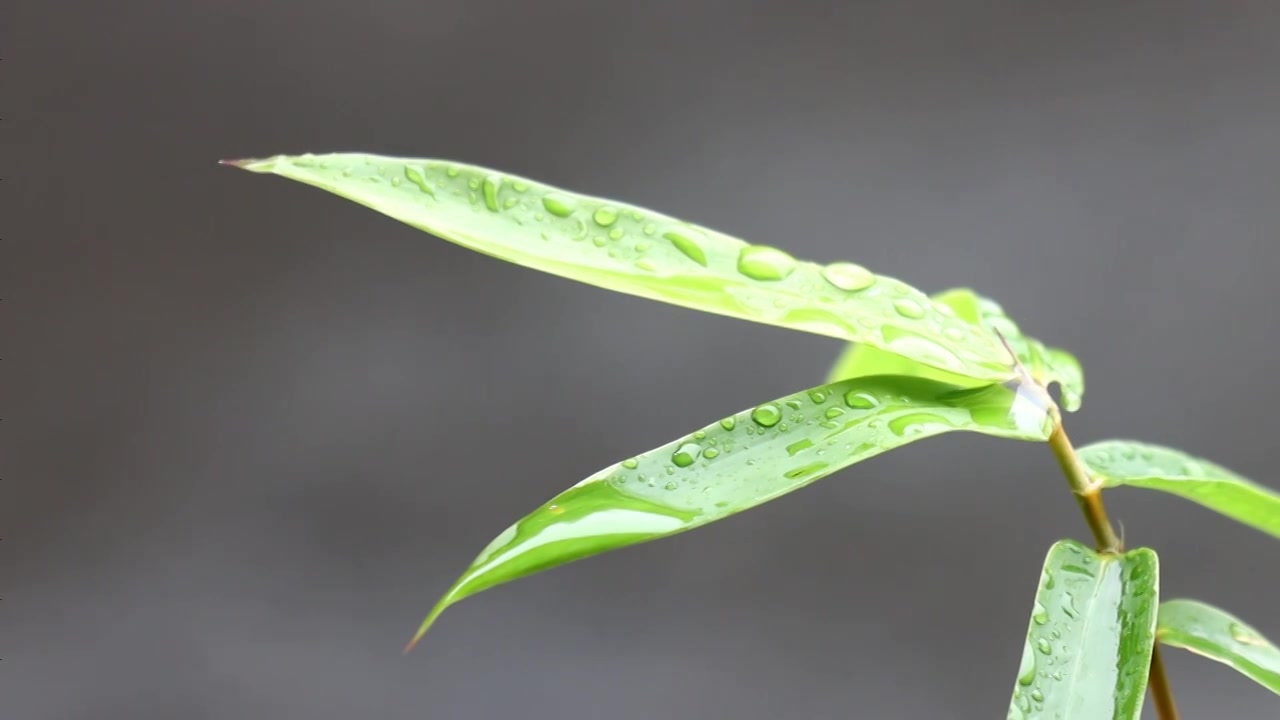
{"x": 632, "y": 250}
{"x": 1090, "y": 637}
{"x": 740, "y": 462}
{"x": 1219, "y": 635}
{"x": 1046, "y": 365}
{"x": 1123, "y": 462}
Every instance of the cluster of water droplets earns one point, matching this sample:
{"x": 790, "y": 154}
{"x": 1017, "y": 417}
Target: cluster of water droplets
{"x": 841, "y": 299}
{"x": 1057, "y": 631}
{"x": 752, "y": 455}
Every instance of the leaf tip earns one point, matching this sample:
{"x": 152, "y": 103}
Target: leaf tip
{"x": 425, "y": 626}
{"x": 259, "y": 165}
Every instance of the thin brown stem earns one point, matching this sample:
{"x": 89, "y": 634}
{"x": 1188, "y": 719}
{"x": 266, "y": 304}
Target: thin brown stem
{"x": 1089, "y": 494}
{"x": 1161, "y": 693}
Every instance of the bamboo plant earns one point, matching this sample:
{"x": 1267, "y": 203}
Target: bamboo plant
{"x": 916, "y": 366}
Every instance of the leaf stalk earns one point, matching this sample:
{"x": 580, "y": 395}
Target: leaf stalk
{"x": 1088, "y": 492}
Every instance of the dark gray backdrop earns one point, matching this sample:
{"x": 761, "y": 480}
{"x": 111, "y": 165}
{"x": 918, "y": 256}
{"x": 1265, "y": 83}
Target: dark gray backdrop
{"x": 252, "y": 431}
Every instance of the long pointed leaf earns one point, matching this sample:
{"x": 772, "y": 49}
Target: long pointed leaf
{"x": 1135, "y": 464}
{"x": 1046, "y": 365}
{"x": 1219, "y": 635}
{"x": 740, "y": 462}
{"x": 640, "y": 252}
{"x": 1090, "y": 637}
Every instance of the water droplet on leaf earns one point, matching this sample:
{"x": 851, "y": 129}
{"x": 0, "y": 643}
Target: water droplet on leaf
{"x": 761, "y": 262}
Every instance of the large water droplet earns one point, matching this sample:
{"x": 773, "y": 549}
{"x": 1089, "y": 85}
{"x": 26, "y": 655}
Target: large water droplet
{"x": 799, "y": 445}
{"x": 728, "y": 423}
{"x": 688, "y": 246}
{"x": 1247, "y": 636}
{"x": 605, "y": 215}
{"x": 859, "y": 400}
{"x": 710, "y": 453}
{"x": 558, "y": 205}
{"x": 686, "y": 454}
{"x": 913, "y": 424}
{"x": 908, "y": 308}
{"x": 1027, "y": 668}
{"x": 848, "y": 276}
{"x": 1040, "y": 615}
{"x": 761, "y": 262}
{"x": 766, "y": 415}
{"x": 491, "y": 183}
{"x": 418, "y": 179}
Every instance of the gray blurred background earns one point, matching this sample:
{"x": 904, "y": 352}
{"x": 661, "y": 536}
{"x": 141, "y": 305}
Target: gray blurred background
{"x": 251, "y": 431}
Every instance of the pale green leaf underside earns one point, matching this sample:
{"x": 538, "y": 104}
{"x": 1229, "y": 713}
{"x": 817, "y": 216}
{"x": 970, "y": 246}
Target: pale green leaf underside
{"x": 1221, "y": 636}
{"x": 1046, "y": 365}
{"x": 740, "y": 462}
{"x": 1090, "y": 637}
{"x": 1122, "y": 462}
{"x": 636, "y": 251}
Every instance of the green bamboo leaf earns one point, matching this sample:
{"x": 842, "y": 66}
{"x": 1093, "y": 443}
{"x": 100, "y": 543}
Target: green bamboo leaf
{"x": 1046, "y": 365}
{"x": 1090, "y": 637}
{"x": 1124, "y": 462}
{"x": 1221, "y": 636}
{"x": 636, "y": 251}
{"x": 740, "y": 462}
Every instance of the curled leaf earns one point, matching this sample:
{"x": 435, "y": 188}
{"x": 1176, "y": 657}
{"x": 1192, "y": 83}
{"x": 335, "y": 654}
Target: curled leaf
{"x": 742, "y": 461}
{"x": 1119, "y": 463}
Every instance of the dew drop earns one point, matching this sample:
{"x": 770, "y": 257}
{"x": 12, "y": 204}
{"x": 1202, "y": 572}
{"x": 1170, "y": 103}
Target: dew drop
{"x": 673, "y": 485}
{"x": 908, "y": 308}
{"x": 688, "y": 246}
{"x": 766, "y": 415}
{"x": 1027, "y": 668}
{"x": 558, "y": 205}
{"x": 686, "y": 454}
{"x": 710, "y": 453}
{"x": 418, "y": 179}
{"x": 605, "y": 215}
{"x": 833, "y": 413}
{"x": 631, "y": 463}
{"x": 491, "y": 184}
{"x": 859, "y": 400}
{"x": 799, "y": 445}
{"x": 728, "y": 423}
{"x": 1246, "y": 636}
{"x": 1044, "y": 647}
{"x": 817, "y": 397}
{"x": 848, "y": 276}
{"x": 1040, "y": 615}
{"x": 761, "y": 262}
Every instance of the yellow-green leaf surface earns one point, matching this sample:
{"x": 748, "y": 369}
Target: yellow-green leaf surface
{"x": 636, "y": 251}
{"x": 1045, "y": 365}
{"x": 742, "y": 461}
{"x": 1221, "y": 636}
{"x": 1127, "y": 463}
{"x": 1090, "y": 637}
